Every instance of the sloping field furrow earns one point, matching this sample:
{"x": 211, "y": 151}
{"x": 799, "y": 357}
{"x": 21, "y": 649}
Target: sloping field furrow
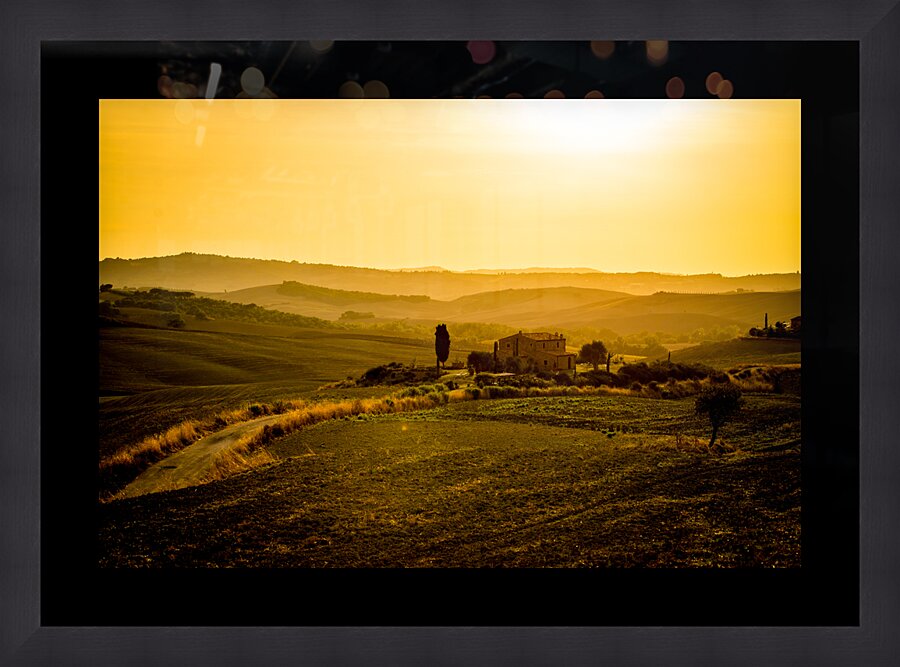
{"x": 728, "y": 354}
{"x": 764, "y": 420}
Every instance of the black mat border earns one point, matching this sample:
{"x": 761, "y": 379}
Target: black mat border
{"x": 870, "y": 23}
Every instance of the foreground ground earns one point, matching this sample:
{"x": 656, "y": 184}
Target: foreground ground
{"x": 561, "y": 482}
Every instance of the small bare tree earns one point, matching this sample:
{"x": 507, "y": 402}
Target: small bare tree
{"x": 719, "y": 402}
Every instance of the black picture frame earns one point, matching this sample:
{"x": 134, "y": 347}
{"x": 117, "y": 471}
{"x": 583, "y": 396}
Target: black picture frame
{"x": 876, "y": 25}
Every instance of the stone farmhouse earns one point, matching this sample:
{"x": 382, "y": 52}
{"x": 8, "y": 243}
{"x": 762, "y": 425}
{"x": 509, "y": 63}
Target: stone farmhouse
{"x": 547, "y": 350}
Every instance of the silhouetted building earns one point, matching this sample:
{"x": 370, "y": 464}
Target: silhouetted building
{"x": 795, "y": 323}
{"x": 547, "y": 350}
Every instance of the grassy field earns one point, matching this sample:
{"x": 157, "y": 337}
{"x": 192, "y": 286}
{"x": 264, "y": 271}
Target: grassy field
{"x": 741, "y": 351}
{"x": 151, "y": 379}
{"x": 560, "y": 482}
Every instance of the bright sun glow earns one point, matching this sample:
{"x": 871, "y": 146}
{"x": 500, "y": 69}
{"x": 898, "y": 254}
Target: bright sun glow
{"x": 586, "y": 126}
{"x": 682, "y": 186}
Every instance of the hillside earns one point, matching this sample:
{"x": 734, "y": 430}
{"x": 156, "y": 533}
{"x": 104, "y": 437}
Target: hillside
{"x": 153, "y": 378}
{"x": 553, "y": 308}
{"x": 514, "y": 307}
{"x": 741, "y": 351}
{"x": 682, "y": 313}
{"x": 212, "y": 273}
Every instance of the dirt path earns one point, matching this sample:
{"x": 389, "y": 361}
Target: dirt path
{"x": 189, "y": 466}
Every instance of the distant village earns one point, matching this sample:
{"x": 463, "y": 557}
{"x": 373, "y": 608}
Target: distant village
{"x": 779, "y": 330}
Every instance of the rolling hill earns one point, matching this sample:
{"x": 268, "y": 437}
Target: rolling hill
{"x": 152, "y": 378}
{"x": 728, "y": 354}
{"x": 512, "y": 307}
{"x": 549, "y": 308}
{"x": 213, "y": 273}
{"x": 682, "y": 313}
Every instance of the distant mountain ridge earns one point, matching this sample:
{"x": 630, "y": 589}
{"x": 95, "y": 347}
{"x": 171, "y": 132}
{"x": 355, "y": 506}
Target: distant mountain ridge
{"x": 215, "y": 273}
{"x": 531, "y": 269}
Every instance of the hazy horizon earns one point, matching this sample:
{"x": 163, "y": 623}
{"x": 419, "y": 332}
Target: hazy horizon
{"x": 681, "y": 187}
{"x": 509, "y": 269}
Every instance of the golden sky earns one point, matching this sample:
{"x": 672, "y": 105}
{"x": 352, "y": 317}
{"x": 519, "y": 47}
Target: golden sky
{"x": 681, "y": 186}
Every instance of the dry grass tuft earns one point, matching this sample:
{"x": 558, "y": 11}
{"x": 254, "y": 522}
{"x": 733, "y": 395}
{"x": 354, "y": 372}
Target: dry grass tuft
{"x": 754, "y": 385}
{"x": 238, "y": 459}
{"x": 158, "y": 445}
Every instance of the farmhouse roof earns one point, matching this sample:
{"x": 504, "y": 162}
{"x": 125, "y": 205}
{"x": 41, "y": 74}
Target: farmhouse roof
{"x": 537, "y": 336}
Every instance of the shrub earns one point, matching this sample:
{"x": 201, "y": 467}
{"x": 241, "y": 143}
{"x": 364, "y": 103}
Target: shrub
{"x": 258, "y": 410}
{"x": 374, "y": 375}
{"x": 662, "y": 371}
{"x": 599, "y": 378}
{"x": 108, "y": 309}
{"x": 396, "y": 373}
{"x": 525, "y": 380}
{"x": 514, "y": 365}
{"x": 479, "y": 362}
{"x": 563, "y": 379}
{"x": 355, "y": 315}
{"x": 485, "y": 379}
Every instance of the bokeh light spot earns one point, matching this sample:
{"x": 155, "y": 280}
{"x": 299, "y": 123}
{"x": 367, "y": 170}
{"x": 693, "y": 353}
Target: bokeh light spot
{"x": 594, "y": 95}
{"x": 164, "y": 86}
{"x": 725, "y": 89}
{"x": 252, "y": 81}
{"x": 675, "y": 88}
{"x": 184, "y": 91}
{"x": 555, "y": 94}
{"x": 481, "y": 52}
{"x": 603, "y": 50}
{"x": 376, "y": 89}
{"x": 321, "y": 46}
{"x": 657, "y": 51}
{"x": 712, "y": 82}
{"x": 514, "y": 96}
{"x": 351, "y": 90}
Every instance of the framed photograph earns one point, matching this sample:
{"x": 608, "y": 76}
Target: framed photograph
{"x": 434, "y": 341}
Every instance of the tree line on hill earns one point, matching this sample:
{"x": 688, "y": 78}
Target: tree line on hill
{"x": 180, "y": 304}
